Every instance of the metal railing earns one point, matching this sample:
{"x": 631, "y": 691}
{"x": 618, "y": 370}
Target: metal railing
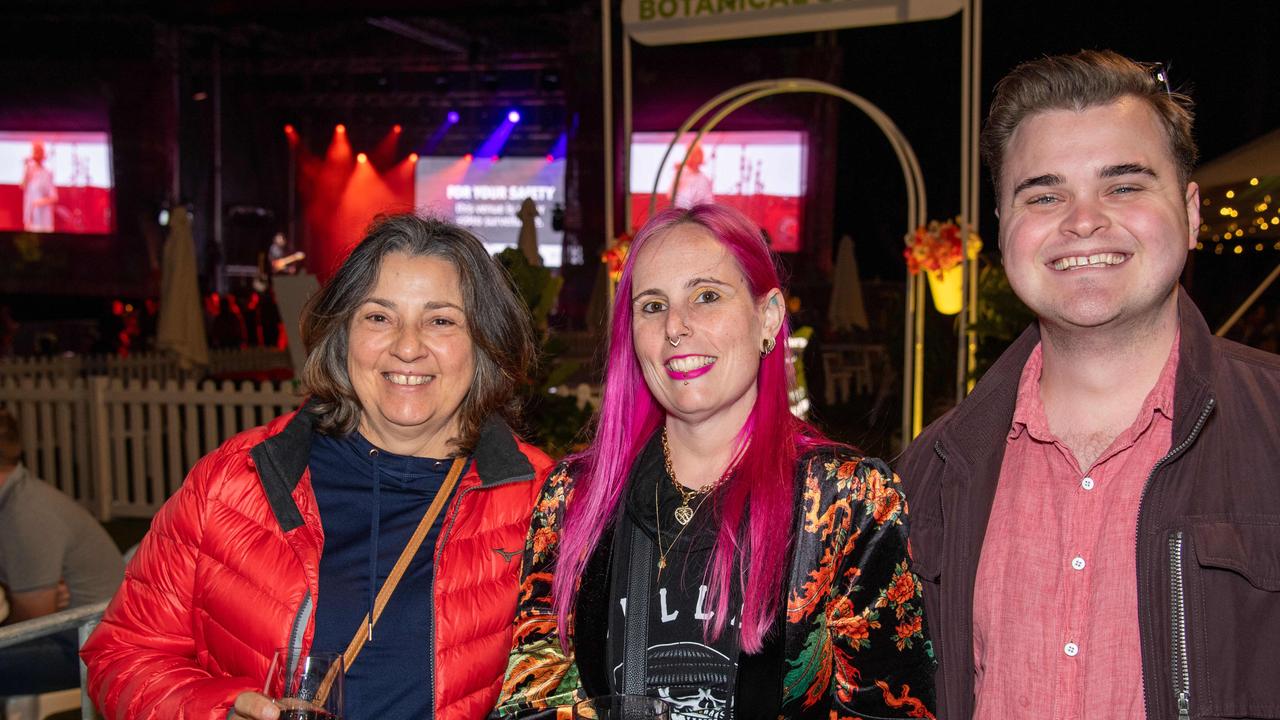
{"x": 84, "y": 618}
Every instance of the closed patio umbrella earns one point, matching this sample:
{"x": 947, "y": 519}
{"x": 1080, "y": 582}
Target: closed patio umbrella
{"x": 180, "y": 327}
{"x": 846, "y": 309}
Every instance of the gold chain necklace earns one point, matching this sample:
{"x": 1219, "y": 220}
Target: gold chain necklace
{"x": 684, "y": 513}
{"x": 657, "y": 517}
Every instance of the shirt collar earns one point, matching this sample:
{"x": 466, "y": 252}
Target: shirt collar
{"x": 1029, "y": 415}
{"x": 16, "y": 476}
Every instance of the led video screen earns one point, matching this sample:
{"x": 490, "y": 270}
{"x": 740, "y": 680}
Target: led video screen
{"x": 56, "y": 182}
{"x": 486, "y": 195}
{"x": 759, "y": 173}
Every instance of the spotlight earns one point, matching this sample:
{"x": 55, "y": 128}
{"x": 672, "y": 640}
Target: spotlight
{"x": 551, "y": 158}
{"x": 362, "y": 158}
{"x": 467, "y": 157}
{"x": 396, "y": 128}
{"x": 513, "y": 116}
{"x": 288, "y": 129}
{"x": 453, "y": 117}
{"x": 340, "y": 128}
{"x": 413, "y": 157}
{"x": 493, "y": 159}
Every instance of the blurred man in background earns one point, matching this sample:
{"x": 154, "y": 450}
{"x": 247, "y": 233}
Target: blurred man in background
{"x": 45, "y": 537}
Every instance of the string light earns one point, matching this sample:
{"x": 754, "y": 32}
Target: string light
{"x": 1253, "y": 182}
{"x": 1231, "y": 194}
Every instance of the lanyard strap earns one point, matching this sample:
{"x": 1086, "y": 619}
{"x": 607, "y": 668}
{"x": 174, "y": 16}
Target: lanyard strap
{"x": 397, "y": 572}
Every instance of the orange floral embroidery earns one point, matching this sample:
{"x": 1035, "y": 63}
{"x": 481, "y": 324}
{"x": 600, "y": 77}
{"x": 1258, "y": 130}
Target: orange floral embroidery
{"x": 910, "y": 628}
{"x": 543, "y": 538}
{"x": 846, "y": 470}
{"x": 903, "y": 588}
{"x": 884, "y": 500}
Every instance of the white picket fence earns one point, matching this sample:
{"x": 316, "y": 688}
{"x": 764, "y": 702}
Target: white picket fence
{"x": 121, "y": 447}
{"x": 153, "y": 366}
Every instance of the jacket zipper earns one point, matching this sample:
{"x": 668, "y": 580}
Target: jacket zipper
{"x": 435, "y": 569}
{"x": 1181, "y": 672}
{"x": 1182, "y": 695}
{"x": 936, "y": 638}
{"x": 295, "y": 633}
{"x": 445, "y": 529}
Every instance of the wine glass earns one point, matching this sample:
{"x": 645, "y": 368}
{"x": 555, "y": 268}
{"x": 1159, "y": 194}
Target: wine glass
{"x": 306, "y": 687}
{"x": 622, "y": 707}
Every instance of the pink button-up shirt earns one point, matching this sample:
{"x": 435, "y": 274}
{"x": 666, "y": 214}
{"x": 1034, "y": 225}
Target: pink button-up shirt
{"x": 1055, "y": 607}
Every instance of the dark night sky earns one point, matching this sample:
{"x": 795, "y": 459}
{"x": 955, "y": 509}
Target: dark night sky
{"x": 1223, "y": 54}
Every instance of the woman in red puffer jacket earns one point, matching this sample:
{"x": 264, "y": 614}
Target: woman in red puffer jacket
{"x": 281, "y": 537}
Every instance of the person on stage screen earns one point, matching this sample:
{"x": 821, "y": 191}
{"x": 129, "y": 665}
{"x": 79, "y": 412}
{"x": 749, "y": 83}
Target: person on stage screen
{"x": 694, "y": 187}
{"x": 709, "y": 548}
{"x": 286, "y": 536}
{"x": 39, "y": 194}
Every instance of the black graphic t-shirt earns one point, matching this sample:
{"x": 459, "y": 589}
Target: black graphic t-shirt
{"x": 695, "y": 675}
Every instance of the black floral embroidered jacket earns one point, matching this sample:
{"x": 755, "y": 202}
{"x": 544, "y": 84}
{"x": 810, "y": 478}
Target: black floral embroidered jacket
{"x": 854, "y": 641}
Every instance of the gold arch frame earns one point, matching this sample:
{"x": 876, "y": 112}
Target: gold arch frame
{"x": 913, "y": 320}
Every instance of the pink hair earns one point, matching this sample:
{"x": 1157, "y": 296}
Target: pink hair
{"x": 762, "y": 485}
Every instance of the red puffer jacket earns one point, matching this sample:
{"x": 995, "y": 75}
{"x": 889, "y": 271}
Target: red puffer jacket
{"x": 230, "y": 570}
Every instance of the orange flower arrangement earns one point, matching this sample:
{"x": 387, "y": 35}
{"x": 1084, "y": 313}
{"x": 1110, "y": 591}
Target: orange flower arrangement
{"x": 616, "y": 255}
{"x": 937, "y": 247}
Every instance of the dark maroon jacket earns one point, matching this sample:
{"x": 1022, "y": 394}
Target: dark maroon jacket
{"x": 1208, "y": 535}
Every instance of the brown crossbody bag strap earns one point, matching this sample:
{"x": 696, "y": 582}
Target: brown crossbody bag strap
{"x": 397, "y": 572}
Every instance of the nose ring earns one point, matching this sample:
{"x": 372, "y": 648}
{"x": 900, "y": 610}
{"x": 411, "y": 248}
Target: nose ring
{"x": 675, "y": 341}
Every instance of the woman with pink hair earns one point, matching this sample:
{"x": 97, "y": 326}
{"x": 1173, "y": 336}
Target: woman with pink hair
{"x": 709, "y": 548}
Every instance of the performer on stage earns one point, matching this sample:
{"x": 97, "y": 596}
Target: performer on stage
{"x": 283, "y": 260}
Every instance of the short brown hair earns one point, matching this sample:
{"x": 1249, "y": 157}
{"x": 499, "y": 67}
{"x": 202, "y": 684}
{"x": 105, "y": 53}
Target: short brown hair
{"x": 497, "y": 320}
{"x": 1075, "y": 82}
{"x": 10, "y": 438}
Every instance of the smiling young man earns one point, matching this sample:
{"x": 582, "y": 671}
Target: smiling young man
{"x": 1097, "y": 525}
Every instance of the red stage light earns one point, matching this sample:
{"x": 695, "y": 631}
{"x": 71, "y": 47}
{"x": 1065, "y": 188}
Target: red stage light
{"x": 362, "y": 158}
{"x": 340, "y": 128}
{"x": 288, "y": 130}
{"x": 467, "y": 157}
{"x": 397, "y": 128}
{"x": 493, "y": 159}
{"x": 551, "y": 158}
{"x": 413, "y": 157}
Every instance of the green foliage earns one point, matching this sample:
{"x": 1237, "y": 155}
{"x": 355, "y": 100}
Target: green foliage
{"x": 552, "y": 422}
{"x": 1001, "y": 317}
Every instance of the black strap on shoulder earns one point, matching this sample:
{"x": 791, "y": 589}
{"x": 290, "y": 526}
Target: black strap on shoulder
{"x": 636, "y": 638}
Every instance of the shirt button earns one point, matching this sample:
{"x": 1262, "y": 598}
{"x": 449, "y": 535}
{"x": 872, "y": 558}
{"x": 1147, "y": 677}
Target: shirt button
{"x": 1087, "y": 483}
{"x": 1077, "y": 563}
{"x": 1071, "y": 649}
